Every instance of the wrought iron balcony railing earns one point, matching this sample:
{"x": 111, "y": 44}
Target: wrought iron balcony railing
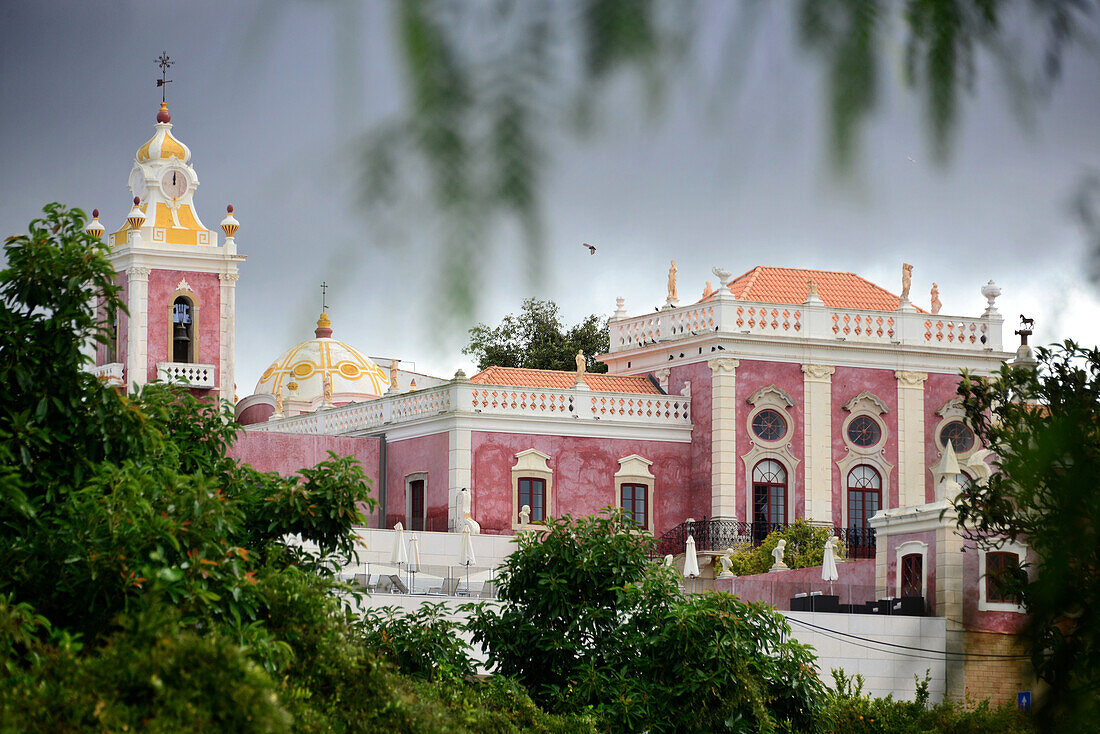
{"x": 719, "y": 534}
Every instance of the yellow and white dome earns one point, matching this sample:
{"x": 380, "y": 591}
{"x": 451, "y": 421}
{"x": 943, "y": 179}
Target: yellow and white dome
{"x": 163, "y": 145}
{"x": 302, "y": 372}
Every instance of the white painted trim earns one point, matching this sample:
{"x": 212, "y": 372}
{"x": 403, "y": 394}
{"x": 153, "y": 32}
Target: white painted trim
{"x": 906, "y": 548}
{"x": 992, "y": 606}
{"x": 534, "y": 464}
{"x": 409, "y": 479}
{"x": 635, "y": 469}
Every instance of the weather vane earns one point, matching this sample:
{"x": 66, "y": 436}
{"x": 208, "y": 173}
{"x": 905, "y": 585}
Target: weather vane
{"x": 163, "y": 62}
{"x": 324, "y": 289}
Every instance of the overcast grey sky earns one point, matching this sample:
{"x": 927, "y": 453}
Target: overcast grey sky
{"x": 272, "y": 97}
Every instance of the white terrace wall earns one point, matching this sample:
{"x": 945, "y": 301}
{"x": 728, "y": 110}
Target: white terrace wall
{"x": 886, "y": 650}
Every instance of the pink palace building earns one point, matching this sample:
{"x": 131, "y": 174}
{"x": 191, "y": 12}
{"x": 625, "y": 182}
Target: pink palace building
{"x": 779, "y": 394}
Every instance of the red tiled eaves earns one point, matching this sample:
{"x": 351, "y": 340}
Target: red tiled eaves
{"x": 789, "y": 285}
{"x": 560, "y": 379}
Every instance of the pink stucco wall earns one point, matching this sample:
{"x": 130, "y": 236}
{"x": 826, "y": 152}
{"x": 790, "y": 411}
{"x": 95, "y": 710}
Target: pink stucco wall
{"x": 698, "y": 501}
{"x": 422, "y": 454}
{"x": 207, "y": 298}
{"x": 287, "y": 453}
{"x": 855, "y": 585}
{"x": 751, "y": 376}
{"x": 985, "y": 621}
{"x": 583, "y": 476}
{"x": 925, "y": 536}
{"x": 938, "y": 390}
{"x": 847, "y": 383}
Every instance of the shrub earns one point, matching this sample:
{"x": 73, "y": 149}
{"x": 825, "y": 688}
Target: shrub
{"x": 805, "y": 548}
{"x": 588, "y": 623}
{"x": 422, "y": 642}
{"x": 851, "y": 711}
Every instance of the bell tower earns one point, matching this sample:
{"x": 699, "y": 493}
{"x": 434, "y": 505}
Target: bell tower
{"x": 178, "y": 282}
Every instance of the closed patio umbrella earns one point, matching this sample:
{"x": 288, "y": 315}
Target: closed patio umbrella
{"x": 691, "y": 561}
{"x": 828, "y": 563}
{"x": 414, "y": 562}
{"x": 466, "y": 553}
{"x": 399, "y": 557}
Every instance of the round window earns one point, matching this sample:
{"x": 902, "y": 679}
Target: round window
{"x": 864, "y": 431}
{"x": 769, "y": 425}
{"x": 959, "y": 434}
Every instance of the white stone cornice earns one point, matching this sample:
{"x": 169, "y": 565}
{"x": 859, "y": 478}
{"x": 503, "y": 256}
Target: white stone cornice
{"x": 868, "y": 401}
{"x": 723, "y": 365}
{"x": 771, "y": 393}
{"x": 907, "y": 378}
{"x": 819, "y": 372}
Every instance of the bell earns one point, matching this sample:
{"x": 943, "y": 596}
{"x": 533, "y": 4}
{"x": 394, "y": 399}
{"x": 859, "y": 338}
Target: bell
{"x": 180, "y": 333}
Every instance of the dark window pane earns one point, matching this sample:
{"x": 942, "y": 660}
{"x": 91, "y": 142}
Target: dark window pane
{"x": 996, "y": 565}
{"x": 864, "y": 431}
{"x": 634, "y": 503}
{"x": 532, "y": 492}
{"x": 769, "y": 425}
{"x": 912, "y": 574}
{"x": 416, "y": 504}
{"x": 959, "y": 434}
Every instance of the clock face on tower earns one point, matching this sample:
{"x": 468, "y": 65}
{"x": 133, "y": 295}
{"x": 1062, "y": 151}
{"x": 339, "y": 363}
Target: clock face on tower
{"x": 137, "y": 182}
{"x": 173, "y": 183}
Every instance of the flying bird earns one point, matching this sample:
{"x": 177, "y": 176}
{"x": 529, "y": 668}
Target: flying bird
{"x": 591, "y": 248}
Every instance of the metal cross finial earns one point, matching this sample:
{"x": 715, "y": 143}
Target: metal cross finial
{"x": 324, "y": 290}
{"x": 163, "y": 62}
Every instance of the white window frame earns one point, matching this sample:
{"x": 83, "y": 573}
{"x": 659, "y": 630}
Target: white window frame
{"x": 635, "y": 469}
{"x": 994, "y": 606}
{"x": 868, "y": 404}
{"x": 409, "y": 479}
{"x": 907, "y": 548}
{"x": 771, "y": 397}
{"x": 534, "y": 464}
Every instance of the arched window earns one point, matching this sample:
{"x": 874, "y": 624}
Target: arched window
{"x": 183, "y": 330}
{"x": 864, "y": 500}
{"x": 769, "y": 496}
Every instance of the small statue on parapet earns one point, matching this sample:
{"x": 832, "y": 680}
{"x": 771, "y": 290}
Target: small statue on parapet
{"x": 777, "y": 554}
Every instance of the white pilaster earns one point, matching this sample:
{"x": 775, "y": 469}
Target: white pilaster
{"x": 818, "y": 383}
{"x": 459, "y": 458}
{"x": 911, "y": 437}
{"x": 458, "y": 473}
{"x": 723, "y": 432}
{"x": 227, "y": 357}
{"x": 137, "y": 303}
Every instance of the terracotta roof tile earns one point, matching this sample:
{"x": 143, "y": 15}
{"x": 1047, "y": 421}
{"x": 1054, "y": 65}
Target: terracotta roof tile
{"x": 788, "y": 285}
{"x": 562, "y": 380}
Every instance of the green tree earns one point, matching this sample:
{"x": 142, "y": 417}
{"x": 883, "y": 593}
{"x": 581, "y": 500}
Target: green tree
{"x": 588, "y": 620}
{"x": 1043, "y": 426}
{"x": 537, "y": 339}
{"x": 146, "y": 582}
